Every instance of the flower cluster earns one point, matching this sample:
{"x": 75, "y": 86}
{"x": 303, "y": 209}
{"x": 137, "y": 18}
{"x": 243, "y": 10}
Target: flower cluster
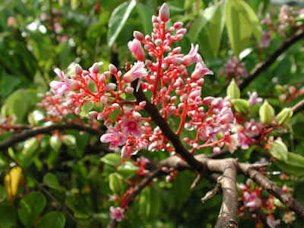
{"x": 174, "y": 89}
{"x": 253, "y": 200}
{"x": 288, "y": 18}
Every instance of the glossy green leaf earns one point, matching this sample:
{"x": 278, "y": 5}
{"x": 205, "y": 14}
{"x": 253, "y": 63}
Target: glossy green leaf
{"x": 127, "y": 169}
{"x": 116, "y": 183}
{"x": 199, "y": 23}
{"x": 55, "y": 142}
{"x": 215, "y": 28}
{"x": 241, "y": 23}
{"x": 279, "y": 150}
{"x": 118, "y": 20}
{"x": 52, "y": 219}
{"x": 86, "y": 108}
{"x": 114, "y": 114}
{"x": 51, "y": 181}
{"x": 145, "y": 13}
{"x": 30, "y": 207}
{"x": 111, "y": 159}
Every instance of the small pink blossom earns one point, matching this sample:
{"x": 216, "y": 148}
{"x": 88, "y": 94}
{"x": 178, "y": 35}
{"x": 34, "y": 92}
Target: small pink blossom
{"x": 266, "y": 38}
{"x": 200, "y": 71}
{"x": 117, "y": 213}
{"x": 114, "y": 137}
{"x": 136, "y": 49}
{"x": 254, "y": 99}
{"x": 192, "y": 56}
{"x": 63, "y": 86}
{"x": 11, "y": 21}
{"x": 252, "y": 200}
{"x": 137, "y": 71}
{"x": 131, "y": 126}
{"x": 271, "y": 222}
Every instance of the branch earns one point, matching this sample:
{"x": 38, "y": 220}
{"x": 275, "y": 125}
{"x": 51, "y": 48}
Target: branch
{"x": 260, "y": 67}
{"x": 247, "y": 169}
{"x": 45, "y": 130}
{"x": 136, "y": 191}
{"x": 228, "y": 213}
{"x": 165, "y": 128}
{"x": 298, "y": 107}
{"x": 273, "y": 189}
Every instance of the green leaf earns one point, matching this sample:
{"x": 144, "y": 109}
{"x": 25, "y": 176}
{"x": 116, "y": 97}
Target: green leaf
{"x": 111, "y": 159}
{"x": 215, "y": 28}
{"x": 30, "y": 207}
{"x": 114, "y": 114}
{"x": 8, "y": 216}
{"x": 30, "y": 146}
{"x": 293, "y": 170}
{"x": 295, "y": 160}
{"x": 118, "y": 19}
{"x": 145, "y": 13}
{"x": 127, "y": 169}
{"x": 69, "y": 140}
{"x": 199, "y": 23}
{"x": 51, "y": 181}
{"x": 279, "y": 150}
{"x": 116, "y": 183}
{"x": 3, "y": 194}
{"x": 241, "y": 23}
{"x": 51, "y": 220}
{"x": 55, "y": 142}
{"x": 149, "y": 203}
{"x": 18, "y": 104}
{"x": 7, "y": 84}
{"x": 86, "y": 108}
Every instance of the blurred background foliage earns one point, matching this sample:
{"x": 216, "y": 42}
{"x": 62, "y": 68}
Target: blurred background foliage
{"x": 64, "y": 185}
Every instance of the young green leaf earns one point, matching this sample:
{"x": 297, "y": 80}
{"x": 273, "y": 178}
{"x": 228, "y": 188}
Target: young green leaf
{"x": 118, "y": 19}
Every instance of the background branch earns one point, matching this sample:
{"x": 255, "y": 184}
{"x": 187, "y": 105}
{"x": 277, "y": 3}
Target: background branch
{"x": 259, "y": 68}
{"x": 45, "y": 130}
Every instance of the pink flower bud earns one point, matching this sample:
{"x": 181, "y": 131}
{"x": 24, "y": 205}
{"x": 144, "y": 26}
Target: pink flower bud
{"x": 164, "y": 13}
{"x": 136, "y": 49}
{"x": 78, "y": 69}
{"x": 95, "y": 68}
{"x": 178, "y": 25}
{"x": 138, "y": 35}
{"x": 112, "y": 69}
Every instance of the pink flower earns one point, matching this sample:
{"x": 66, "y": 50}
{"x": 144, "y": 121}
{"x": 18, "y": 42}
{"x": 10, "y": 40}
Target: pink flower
{"x": 136, "y": 49}
{"x": 114, "y": 137}
{"x": 200, "y": 71}
{"x": 131, "y": 126}
{"x": 254, "y": 99}
{"x": 266, "y": 38}
{"x": 63, "y": 86}
{"x": 252, "y": 200}
{"x": 137, "y": 71}
{"x": 192, "y": 56}
{"x": 11, "y": 21}
{"x": 117, "y": 213}
{"x": 271, "y": 222}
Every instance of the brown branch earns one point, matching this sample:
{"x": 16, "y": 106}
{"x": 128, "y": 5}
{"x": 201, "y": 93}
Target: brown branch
{"x": 273, "y": 189}
{"x": 137, "y": 189}
{"x": 259, "y": 68}
{"x": 247, "y": 169}
{"x": 165, "y": 128}
{"x": 298, "y": 107}
{"x": 228, "y": 212}
{"x": 45, "y": 130}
